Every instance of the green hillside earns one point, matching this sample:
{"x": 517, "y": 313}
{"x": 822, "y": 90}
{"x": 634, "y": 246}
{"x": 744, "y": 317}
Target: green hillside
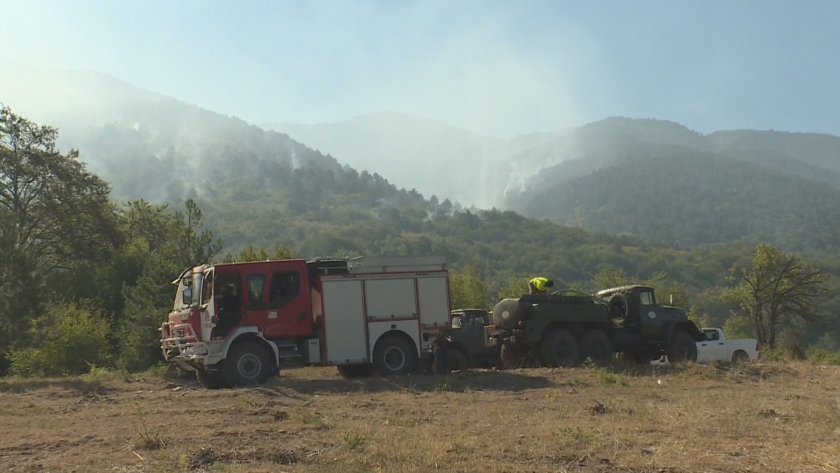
{"x": 692, "y": 199}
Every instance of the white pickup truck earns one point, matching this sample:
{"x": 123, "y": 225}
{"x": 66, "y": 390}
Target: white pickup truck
{"x": 716, "y": 347}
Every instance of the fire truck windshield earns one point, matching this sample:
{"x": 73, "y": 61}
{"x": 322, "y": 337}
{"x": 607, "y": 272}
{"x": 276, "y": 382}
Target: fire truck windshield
{"x": 189, "y": 291}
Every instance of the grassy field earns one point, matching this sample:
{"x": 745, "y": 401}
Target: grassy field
{"x": 693, "y": 418}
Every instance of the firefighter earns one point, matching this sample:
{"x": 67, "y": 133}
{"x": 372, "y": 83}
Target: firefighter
{"x": 539, "y": 285}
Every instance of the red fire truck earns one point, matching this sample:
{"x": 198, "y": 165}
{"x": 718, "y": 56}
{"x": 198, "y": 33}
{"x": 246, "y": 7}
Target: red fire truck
{"x": 234, "y": 324}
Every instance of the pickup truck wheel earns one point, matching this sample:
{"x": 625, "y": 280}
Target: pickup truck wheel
{"x": 210, "y": 380}
{"x": 394, "y": 356}
{"x": 247, "y": 364}
{"x": 682, "y": 348}
{"x": 594, "y": 345}
{"x": 559, "y": 348}
{"x": 740, "y": 357}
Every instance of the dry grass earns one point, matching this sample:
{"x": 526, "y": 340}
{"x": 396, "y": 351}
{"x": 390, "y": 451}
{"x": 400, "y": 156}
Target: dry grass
{"x": 759, "y": 418}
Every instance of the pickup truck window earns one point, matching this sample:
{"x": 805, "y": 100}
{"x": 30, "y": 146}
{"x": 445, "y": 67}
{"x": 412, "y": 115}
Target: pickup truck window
{"x": 711, "y": 334}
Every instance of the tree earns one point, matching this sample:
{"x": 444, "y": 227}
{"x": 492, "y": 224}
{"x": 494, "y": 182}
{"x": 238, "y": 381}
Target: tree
{"x": 59, "y": 211}
{"x": 54, "y": 215}
{"x": 166, "y": 244}
{"x": 468, "y": 291}
{"x": 778, "y": 289}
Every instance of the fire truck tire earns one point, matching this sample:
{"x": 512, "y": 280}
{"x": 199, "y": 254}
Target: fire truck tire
{"x": 210, "y": 380}
{"x": 559, "y": 348}
{"x": 681, "y": 348}
{"x": 247, "y": 364}
{"x": 394, "y": 356}
{"x": 595, "y": 345}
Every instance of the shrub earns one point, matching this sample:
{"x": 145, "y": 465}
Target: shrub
{"x": 67, "y": 339}
{"x": 821, "y": 356}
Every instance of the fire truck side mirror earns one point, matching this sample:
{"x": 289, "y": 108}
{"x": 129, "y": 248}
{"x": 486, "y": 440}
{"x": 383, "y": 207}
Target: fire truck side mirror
{"x": 187, "y": 295}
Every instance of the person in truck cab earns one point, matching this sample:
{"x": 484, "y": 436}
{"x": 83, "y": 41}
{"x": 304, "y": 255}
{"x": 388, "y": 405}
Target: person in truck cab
{"x": 539, "y": 285}
{"x": 228, "y": 308}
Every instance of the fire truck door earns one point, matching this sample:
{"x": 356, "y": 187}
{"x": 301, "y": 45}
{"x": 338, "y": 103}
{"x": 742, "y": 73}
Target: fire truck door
{"x": 278, "y": 304}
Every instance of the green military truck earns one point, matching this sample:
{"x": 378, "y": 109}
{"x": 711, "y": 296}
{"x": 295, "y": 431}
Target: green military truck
{"x": 469, "y": 344}
{"x": 567, "y": 328}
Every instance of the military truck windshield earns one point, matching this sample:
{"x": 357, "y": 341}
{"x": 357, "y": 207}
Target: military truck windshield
{"x": 646, "y": 298}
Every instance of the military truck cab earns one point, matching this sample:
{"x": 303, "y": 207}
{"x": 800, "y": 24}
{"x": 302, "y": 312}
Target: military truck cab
{"x": 648, "y": 330}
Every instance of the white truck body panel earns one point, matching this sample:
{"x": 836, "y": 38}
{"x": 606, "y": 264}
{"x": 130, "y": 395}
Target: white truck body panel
{"x": 391, "y": 298}
{"x": 344, "y": 321}
{"x": 434, "y": 300}
{"x": 719, "y": 348}
{"x": 379, "y": 295}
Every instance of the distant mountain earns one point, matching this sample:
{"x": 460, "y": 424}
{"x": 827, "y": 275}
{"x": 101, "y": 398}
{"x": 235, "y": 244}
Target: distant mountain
{"x": 651, "y": 179}
{"x": 662, "y": 182}
{"x": 144, "y": 144}
{"x": 419, "y": 153}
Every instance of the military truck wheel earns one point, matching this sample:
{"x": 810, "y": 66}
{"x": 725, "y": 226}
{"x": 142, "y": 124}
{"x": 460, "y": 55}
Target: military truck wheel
{"x": 594, "y": 345}
{"x": 457, "y": 360}
{"x": 355, "y": 371}
{"x": 210, "y": 380}
{"x": 632, "y": 358}
{"x": 559, "y": 348}
{"x": 740, "y": 357}
{"x": 509, "y": 357}
{"x": 394, "y": 355}
{"x": 247, "y": 364}
{"x": 681, "y": 348}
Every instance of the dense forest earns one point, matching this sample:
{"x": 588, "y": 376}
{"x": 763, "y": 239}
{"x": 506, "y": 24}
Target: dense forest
{"x": 85, "y": 278}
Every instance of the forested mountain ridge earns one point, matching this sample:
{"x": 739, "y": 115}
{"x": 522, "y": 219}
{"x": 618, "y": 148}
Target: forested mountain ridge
{"x": 661, "y": 182}
{"x": 692, "y": 199}
{"x": 147, "y": 145}
{"x": 419, "y": 153}
{"x": 150, "y": 146}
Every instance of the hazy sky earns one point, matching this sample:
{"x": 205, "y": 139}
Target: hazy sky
{"x": 497, "y": 67}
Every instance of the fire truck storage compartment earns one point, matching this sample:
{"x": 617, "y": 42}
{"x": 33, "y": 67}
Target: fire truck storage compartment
{"x": 434, "y": 299}
{"x": 344, "y": 321}
{"x": 390, "y": 299}
{"x": 313, "y": 351}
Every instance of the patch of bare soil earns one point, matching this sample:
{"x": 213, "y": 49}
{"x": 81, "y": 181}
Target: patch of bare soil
{"x": 660, "y": 419}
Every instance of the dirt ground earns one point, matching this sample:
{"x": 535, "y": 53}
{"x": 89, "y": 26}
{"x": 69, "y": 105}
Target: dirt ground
{"x": 693, "y": 418}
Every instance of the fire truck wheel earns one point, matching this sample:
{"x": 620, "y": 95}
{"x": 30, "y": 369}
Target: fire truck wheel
{"x": 394, "y": 355}
{"x": 247, "y": 364}
{"x": 559, "y": 348}
{"x": 210, "y": 380}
